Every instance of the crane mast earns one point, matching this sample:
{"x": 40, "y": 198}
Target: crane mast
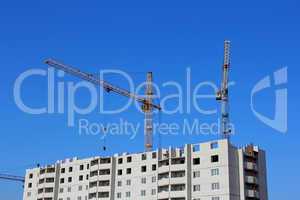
{"x": 147, "y": 102}
{"x": 222, "y": 94}
{"x": 147, "y": 108}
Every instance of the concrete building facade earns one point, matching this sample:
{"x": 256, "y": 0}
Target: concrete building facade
{"x": 214, "y": 170}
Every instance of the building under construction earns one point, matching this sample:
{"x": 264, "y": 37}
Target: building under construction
{"x": 214, "y": 170}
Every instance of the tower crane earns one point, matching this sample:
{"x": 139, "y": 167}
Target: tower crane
{"x": 147, "y": 102}
{"x": 222, "y": 94}
{"x": 12, "y": 178}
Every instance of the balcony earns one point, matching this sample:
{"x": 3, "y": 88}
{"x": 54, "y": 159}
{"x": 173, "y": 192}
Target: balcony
{"x": 178, "y": 167}
{"x": 94, "y": 168}
{"x": 164, "y": 155}
{"x": 177, "y": 160}
{"x": 250, "y": 155}
{"x": 163, "y": 195}
{"x": 104, "y": 177}
{"x": 252, "y": 194}
{"x": 93, "y": 175}
{"x": 104, "y": 183}
{"x": 92, "y": 195}
{"x": 105, "y": 161}
{"x": 251, "y": 166}
{"x": 178, "y": 180}
{"x": 178, "y": 190}
{"x": 104, "y": 172}
{"x": 47, "y": 185}
{"x": 93, "y": 190}
{"x": 163, "y": 192}
{"x": 50, "y": 170}
{"x": 103, "y": 195}
{"x": 178, "y": 177}
{"x": 251, "y": 180}
{"x": 164, "y": 181}
{"x": 178, "y": 194}
{"x": 93, "y": 184}
{"x": 163, "y": 168}
{"x": 94, "y": 165}
{"x": 251, "y": 152}
{"x": 94, "y": 178}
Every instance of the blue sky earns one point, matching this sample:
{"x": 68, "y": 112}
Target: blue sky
{"x": 137, "y": 36}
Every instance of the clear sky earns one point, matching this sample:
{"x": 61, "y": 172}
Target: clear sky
{"x": 165, "y": 37}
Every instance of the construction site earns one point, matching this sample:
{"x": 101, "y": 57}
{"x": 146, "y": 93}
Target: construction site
{"x": 212, "y": 170}
{"x": 149, "y": 100}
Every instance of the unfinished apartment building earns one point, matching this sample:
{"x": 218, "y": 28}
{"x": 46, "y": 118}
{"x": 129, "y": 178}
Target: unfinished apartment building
{"x": 214, "y": 170}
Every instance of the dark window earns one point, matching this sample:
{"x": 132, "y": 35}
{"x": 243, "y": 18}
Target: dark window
{"x": 62, "y": 170}
{"x": 94, "y": 173}
{"x": 94, "y": 162}
{"x": 42, "y": 171}
{"x": 153, "y": 167}
{"x": 196, "y": 148}
{"x": 129, "y": 159}
{"x": 70, "y": 179}
{"x": 49, "y": 180}
{"x": 81, "y": 167}
{"x": 119, "y": 172}
{"x": 88, "y": 166}
{"x": 30, "y": 175}
{"x": 214, "y": 145}
{"x": 143, "y": 168}
{"x": 104, "y": 183}
{"x": 144, "y": 156}
{"x": 120, "y": 161}
{"x": 104, "y": 172}
{"x": 87, "y": 177}
{"x": 176, "y": 161}
{"x": 103, "y": 194}
{"x": 215, "y": 158}
{"x": 29, "y": 185}
{"x": 154, "y": 155}
{"x": 196, "y": 161}
{"x": 62, "y": 180}
{"x": 81, "y": 177}
{"x": 50, "y": 170}
{"x": 70, "y": 169}
{"x": 92, "y": 195}
{"x": 105, "y": 160}
{"x": 128, "y": 171}
{"x": 48, "y": 190}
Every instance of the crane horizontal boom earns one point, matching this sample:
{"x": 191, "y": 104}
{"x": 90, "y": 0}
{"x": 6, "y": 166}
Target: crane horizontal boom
{"x": 12, "y": 177}
{"x": 91, "y": 78}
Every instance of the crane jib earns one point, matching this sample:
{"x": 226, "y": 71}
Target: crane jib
{"x": 90, "y": 78}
